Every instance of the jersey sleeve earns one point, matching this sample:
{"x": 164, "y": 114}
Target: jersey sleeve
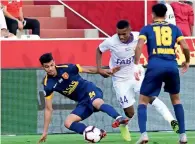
{"x": 105, "y": 45}
{"x": 179, "y": 35}
{"x": 143, "y": 33}
{"x": 48, "y": 92}
{"x": 75, "y": 68}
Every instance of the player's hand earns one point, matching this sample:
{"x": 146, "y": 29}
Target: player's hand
{"x": 185, "y": 67}
{"x": 115, "y": 69}
{"x": 137, "y": 72}
{"x": 43, "y": 138}
{"x": 104, "y": 73}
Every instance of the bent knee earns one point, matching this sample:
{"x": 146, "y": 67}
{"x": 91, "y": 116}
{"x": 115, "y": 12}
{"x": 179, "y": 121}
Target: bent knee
{"x": 70, "y": 119}
{"x": 152, "y": 99}
{"x": 97, "y": 103}
{"x": 129, "y": 112}
{"x": 67, "y": 123}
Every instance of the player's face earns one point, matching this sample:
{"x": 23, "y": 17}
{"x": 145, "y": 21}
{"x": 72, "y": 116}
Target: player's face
{"x": 50, "y": 68}
{"x": 124, "y": 34}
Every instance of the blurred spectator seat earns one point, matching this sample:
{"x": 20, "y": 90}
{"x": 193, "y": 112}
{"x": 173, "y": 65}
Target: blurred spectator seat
{"x": 15, "y": 19}
{"x": 53, "y": 23}
{"x": 184, "y": 17}
{"x": 4, "y": 33}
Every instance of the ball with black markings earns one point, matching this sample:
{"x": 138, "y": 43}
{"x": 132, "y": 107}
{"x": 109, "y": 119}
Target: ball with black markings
{"x": 92, "y": 134}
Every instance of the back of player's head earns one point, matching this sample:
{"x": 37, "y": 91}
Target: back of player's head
{"x": 122, "y": 24}
{"x": 45, "y": 58}
{"x": 159, "y": 10}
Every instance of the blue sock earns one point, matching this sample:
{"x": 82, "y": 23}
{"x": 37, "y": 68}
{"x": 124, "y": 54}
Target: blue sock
{"x": 78, "y": 127}
{"x": 142, "y": 117}
{"x": 179, "y": 113}
{"x": 109, "y": 110}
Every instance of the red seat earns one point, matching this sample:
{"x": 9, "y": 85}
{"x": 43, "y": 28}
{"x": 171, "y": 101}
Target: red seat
{"x": 62, "y": 33}
{"x": 52, "y": 23}
{"x": 36, "y": 11}
{"x": 28, "y": 2}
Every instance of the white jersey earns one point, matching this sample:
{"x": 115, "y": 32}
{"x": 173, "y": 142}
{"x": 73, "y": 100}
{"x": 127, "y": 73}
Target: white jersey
{"x": 170, "y": 16}
{"x": 122, "y": 54}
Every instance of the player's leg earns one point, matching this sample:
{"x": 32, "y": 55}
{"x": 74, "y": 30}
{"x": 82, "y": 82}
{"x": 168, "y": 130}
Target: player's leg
{"x": 98, "y": 103}
{"x": 151, "y": 87}
{"x": 126, "y": 96}
{"x": 158, "y": 105}
{"x": 81, "y": 112}
{"x": 164, "y": 111}
{"x": 72, "y": 123}
{"x": 179, "y": 113}
{"x": 172, "y": 86}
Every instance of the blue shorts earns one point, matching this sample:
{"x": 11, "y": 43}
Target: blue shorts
{"x": 154, "y": 77}
{"x": 84, "y": 107}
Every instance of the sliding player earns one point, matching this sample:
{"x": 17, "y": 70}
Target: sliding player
{"x": 66, "y": 80}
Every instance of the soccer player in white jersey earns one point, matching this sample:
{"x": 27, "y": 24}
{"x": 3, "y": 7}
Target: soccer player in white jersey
{"x": 170, "y": 16}
{"x": 122, "y": 47}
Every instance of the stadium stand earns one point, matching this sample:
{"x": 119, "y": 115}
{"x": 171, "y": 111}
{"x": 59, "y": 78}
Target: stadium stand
{"x": 53, "y": 22}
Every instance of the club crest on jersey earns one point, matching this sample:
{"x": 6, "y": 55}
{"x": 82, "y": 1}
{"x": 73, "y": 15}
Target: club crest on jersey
{"x": 65, "y": 75}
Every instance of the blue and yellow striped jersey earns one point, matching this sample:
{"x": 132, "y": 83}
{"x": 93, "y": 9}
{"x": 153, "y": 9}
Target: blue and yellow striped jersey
{"x": 161, "y": 38}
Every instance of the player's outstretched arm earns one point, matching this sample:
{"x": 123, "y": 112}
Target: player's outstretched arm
{"x": 98, "y": 58}
{"x": 186, "y": 52}
{"x": 94, "y": 70}
{"x": 102, "y": 72}
{"x": 47, "y": 118}
{"x": 138, "y": 50}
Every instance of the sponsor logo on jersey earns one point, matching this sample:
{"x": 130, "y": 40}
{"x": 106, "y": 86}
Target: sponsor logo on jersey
{"x": 125, "y": 61}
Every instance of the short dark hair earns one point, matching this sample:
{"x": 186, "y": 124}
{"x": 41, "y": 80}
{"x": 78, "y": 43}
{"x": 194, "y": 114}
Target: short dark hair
{"x": 159, "y": 10}
{"x": 122, "y": 24}
{"x": 45, "y": 58}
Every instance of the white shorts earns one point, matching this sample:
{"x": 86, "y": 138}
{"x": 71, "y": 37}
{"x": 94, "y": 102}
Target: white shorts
{"x": 126, "y": 91}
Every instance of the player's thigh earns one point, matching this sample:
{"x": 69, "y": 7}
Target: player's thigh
{"x": 95, "y": 95}
{"x": 83, "y": 110}
{"x": 152, "y": 82}
{"x": 125, "y": 93}
{"x": 172, "y": 81}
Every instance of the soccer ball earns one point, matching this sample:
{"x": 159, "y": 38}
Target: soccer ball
{"x": 92, "y": 134}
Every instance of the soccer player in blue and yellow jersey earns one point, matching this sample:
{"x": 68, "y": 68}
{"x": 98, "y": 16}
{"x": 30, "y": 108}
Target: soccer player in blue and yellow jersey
{"x": 66, "y": 80}
{"x": 162, "y": 67}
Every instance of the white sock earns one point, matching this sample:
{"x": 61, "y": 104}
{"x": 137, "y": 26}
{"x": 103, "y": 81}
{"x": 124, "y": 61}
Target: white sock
{"x": 118, "y": 117}
{"x": 163, "y": 110}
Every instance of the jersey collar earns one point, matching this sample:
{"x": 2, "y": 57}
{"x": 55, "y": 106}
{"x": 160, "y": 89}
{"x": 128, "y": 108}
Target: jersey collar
{"x": 131, "y": 38}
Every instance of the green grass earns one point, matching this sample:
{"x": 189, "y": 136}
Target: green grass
{"x": 112, "y": 138}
